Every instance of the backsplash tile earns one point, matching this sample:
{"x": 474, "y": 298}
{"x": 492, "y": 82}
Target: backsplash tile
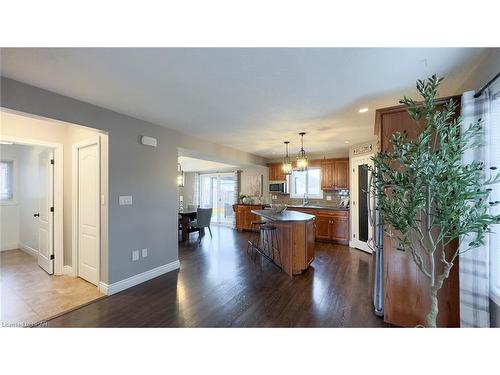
{"x": 337, "y": 198}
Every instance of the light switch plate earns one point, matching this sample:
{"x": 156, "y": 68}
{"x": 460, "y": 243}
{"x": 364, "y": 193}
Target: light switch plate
{"x": 125, "y": 200}
{"x": 135, "y": 255}
{"x": 144, "y": 253}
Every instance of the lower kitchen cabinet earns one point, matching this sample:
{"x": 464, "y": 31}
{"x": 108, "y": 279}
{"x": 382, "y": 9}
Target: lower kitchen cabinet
{"x": 330, "y": 225}
{"x": 244, "y": 215}
{"x": 340, "y": 229}
{"x": 323, "y": 227}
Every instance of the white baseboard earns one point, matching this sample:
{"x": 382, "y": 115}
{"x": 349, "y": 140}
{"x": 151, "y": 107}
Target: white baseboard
{"x": 9, "y": 247}
{"x": 114, "y": 288}
{"x": 68, "y": 270}
{"x": 29, "y": 250}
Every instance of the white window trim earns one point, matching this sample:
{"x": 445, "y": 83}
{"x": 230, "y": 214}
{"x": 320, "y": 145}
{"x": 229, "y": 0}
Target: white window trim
{"x": 15, "y": 192}
{"x": 309, "y": 196}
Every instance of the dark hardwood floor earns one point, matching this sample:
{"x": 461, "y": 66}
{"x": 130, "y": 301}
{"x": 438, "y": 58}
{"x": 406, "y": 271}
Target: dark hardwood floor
{"x": 219, "y": 285}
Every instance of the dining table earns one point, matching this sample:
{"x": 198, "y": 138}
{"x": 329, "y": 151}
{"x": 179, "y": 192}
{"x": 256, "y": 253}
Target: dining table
{"x": 185, "y": 219}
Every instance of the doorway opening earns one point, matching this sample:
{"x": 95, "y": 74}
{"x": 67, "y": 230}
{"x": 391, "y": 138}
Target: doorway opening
{"x": 40, "y": 274}
{"x": 218, "y": 191}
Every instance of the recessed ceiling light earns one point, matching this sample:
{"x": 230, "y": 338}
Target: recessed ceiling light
{"x": 6, "y": 143}
{"x": 363, "y": 110}
{"x": 346, "y": 141}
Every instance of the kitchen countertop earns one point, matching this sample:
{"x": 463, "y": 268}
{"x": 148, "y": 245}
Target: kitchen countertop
{"x": 286, "y": 215}
{"x": 314, "y": 207}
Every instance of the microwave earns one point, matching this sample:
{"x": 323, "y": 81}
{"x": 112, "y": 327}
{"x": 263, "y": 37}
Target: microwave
{"x": 278, "y": 187}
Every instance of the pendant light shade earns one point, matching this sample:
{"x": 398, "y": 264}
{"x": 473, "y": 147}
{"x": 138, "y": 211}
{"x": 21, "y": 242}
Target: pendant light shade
{"x": 287, "y": 164}
{"x": 302, "y": 158}
{"x": 180, "y": 176}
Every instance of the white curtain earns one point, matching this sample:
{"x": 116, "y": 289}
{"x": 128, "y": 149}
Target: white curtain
{"x": 237, "y": 186}
{"x": 475, "y": 264}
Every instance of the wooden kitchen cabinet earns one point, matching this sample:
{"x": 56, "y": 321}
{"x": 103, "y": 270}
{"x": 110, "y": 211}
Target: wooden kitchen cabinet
{"x": 406, "y": 289}
{"x": 276, "y": 172}
{"x": 334, "y": 174}
{"x": 340, "y": 229}
{"x": 327, "y": 174}
{"x": 323, "y": 227}
{"x": 330, "y": 225}
{"x": 244, "y": 215}
{"x": 341, "y": 174}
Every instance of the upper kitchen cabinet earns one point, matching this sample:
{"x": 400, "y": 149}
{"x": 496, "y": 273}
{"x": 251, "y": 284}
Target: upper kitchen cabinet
{"x": 275, "y": 172}
{"x": 341, "y": 174}
{"x": 334, "y": 174}
{"x": 327, "y": 174}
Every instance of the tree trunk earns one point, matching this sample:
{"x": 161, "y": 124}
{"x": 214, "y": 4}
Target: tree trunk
{"x": 432, "y": 316}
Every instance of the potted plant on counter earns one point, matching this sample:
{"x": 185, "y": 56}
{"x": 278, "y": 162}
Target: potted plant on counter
{"x": 428, "y": 198}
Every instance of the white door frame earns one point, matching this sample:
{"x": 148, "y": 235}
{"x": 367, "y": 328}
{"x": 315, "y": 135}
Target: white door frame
{"x": 354, "y": 183}
{"x": 74, "y": 203}
{"x": 217, "y": 175}
{"x": 58, "y": 195}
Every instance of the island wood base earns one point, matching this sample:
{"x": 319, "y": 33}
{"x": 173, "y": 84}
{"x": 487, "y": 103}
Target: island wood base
{"x": 295, "y": 242}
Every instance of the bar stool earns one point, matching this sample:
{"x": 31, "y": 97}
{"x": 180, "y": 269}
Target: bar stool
{"x": 254, "y": 240}
{"x": 270, "y": 245}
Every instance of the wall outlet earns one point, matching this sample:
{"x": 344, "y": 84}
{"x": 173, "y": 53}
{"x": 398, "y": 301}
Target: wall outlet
{"x": 125, "y": 200}
{"x": 144, "y": 253}
{"x": 135, "y": 255}
{"x": 328, "y": 197}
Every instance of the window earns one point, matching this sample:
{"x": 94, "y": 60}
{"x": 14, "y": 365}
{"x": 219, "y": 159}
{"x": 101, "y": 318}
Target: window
{"x": 306, "y": 183}
{"x": 6, "y": 180}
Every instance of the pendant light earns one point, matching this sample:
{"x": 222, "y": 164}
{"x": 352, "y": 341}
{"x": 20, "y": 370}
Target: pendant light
{"x": 180, "y": 175}
{"x": 287, "y": 164}
{"x": 302, "y": 158}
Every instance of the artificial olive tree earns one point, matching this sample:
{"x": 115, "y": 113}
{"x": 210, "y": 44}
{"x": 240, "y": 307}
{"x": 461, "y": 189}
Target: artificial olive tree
{"x": 427, "y": 196}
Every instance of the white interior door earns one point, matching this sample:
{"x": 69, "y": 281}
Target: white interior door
{"x": 88, "y": 215}
{"x": 46, "y": 211}
{"x": 361, "y": 203}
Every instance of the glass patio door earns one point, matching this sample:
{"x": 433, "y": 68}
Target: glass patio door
{"x": 217, "y": 192}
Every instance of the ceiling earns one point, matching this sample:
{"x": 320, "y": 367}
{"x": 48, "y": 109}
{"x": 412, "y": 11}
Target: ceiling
{"x": 250, "y": 99}
{"x": 198, "y": 165}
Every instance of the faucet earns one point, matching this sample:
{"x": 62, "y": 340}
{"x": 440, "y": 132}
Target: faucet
{"x": 305, "y": 202}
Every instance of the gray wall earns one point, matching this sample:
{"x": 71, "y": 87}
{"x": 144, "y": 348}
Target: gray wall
{"x": 148, "y": 174}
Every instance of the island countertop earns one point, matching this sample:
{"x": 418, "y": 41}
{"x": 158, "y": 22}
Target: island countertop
{"x": 285, "y": 216}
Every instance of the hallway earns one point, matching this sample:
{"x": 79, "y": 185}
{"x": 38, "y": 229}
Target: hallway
{"x": 29, "y": 295}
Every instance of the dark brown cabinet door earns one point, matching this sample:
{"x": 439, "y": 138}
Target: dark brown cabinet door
{"x": 341, "y": 174}
{"x": 327, "y": 174}
{"x": 323, "y": 227}
{"x": 340, "y": 229}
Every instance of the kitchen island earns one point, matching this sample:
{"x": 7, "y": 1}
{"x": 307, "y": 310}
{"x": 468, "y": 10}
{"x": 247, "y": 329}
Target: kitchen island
{"x": 295, "y": 232}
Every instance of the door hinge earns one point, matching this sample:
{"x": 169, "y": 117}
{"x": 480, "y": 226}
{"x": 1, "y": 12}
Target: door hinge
{"x": 51, "y": 256}
{"x": 51, "y": 209}
{"x": 51, "y": 161}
